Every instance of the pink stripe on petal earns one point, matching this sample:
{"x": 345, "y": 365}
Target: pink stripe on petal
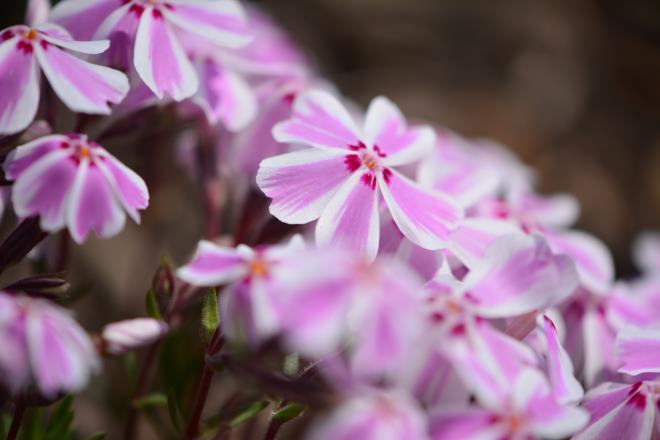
{"x": 19, "y": 87}
{"x": 639, "y": 350}
{"x": 319, "y": 120}
{"x": 160, "y": 60}
{"x": 93, "y": 206}
{"x": 221, "y": 21}
{"x": 425, "y": 218}
{"x": 44, "y": 189}
{"x": 129, "y": 187}
{"x": 565, "y": 386}
{"x": 623, "y": 422}
{"x": 301, "y": 183}
{"x": 351, "y": 218}
{"x": 213, "y": 265}
{"x": 520, "y": 274}
{"x": 452, "y": 424}
{"x": 25, "y": 155}
{"x": 82, "y": 86}
{"x": 83, "y": 17}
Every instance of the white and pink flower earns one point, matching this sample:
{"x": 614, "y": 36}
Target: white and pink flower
{"x": 70, "y": 181}
{"x": 82, "y": 86}
{"x": 43, "y": 345}
{"x": 340, "y": 179}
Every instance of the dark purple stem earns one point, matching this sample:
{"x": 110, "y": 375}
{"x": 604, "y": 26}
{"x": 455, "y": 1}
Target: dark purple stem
{"x": 16, "y": 421}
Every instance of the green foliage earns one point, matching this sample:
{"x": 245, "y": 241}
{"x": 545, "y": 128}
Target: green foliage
{"x": 289, "y": 412}
{"x": 210, "y": 316}
{"x": 152, "y": 305}
{"x": 150, "y": 400}
{"x": 248, "y": 413}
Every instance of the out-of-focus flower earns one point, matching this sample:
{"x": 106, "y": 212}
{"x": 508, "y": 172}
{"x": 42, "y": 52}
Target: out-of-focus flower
{"x": 120, "y": 337}
{"x": 622, "y": 411}
{"x": 150, "y": 30}
{"x": 248, "y": 310}
{"x": 70, "y": 181}
{"x": 341, "y": 178}
{"x": 527, "y": 410}
{"x": 389, "y": 415}
{"x": 332, "y": 300}
{"x": 82, "y": 86}
{"x": 43, "y": 345}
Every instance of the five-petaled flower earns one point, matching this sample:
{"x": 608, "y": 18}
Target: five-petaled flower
{"x": 70, "y": 181}
{"x": 82, "y": 86}
{"x": 341, "y": 178}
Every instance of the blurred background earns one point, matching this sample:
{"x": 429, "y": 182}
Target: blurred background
{"x": 572, "y": 86}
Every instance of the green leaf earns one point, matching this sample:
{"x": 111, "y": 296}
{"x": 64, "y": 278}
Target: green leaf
{"x": 150, "y": 400}
{"x": 99, "y": 436}
{"x": 173, "y": 408}
{"x": 248, "y": 413}
{"x": 152, "y": 305}
{"x": 210, "y": 316}
{"x": 289, "y": 412}
{"x": 59, "y": 423}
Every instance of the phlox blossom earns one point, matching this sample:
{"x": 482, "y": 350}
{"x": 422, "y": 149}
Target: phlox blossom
{"x": 70, "y": 181}
{"x": 82, "y": 86}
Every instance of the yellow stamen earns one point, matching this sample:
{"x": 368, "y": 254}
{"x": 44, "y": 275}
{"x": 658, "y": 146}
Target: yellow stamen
{"x": 369, "y": 162}
{"x": 31, "y": 35}
{"x": 258, "y": 268}
{"x": 84, "y": 152}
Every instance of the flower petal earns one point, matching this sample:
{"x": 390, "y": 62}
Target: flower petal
{"x": 213, "y": 265}
{"x": 627, "y": 421}
{"x": 319, "y": 120}
{"x": 471, "y": 239}
{"x": 224, "y": 96}
{"x": 565, "y": 386}
{"x": 57, "y": 35}
{"x": 592, "y": 258}
{"x": 19, "y": 87}
{"x": 351, "y": 218}
{"x": 639, "y": 349}
{"x": 301, "y": 183}
{"x": 160, "y": 60}
{"x": 221, "y": 21}
{"x": 82, "y": 86}
{"x": 83, "y": 17}
{"x": 25, "y": 155}
{"x": 129, "y": 187}
{"x": 518, "y": 275}
{"x": 43, "y": 189}
{"x": 93, "y": 205}
{"x": 451, "y": 424}
{"x": 425, "y": 218}
{"x": 386, "y": 127}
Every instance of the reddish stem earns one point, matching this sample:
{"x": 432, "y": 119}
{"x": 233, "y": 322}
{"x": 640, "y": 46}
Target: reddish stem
{"x": 16, "y": 421}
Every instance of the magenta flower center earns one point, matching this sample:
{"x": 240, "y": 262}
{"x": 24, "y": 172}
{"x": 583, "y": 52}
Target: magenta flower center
{"x": 369, "y": 160}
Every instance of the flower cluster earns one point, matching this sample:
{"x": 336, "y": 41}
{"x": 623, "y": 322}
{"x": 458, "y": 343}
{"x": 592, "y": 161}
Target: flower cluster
{"x": 438, "y": 295}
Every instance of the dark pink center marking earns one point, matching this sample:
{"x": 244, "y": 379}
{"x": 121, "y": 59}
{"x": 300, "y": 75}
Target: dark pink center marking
{"x": 6, "y": 35}
{"x": 369, "y": 159}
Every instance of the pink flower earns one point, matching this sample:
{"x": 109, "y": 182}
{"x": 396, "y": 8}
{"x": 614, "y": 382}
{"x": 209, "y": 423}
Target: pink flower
{"x": 341, "y": 178}
{"x": 639, "y": 349}
{"x": 390, "y": 415}
{"x": 43, "y": 344}
{"x": 82, "y": 86}
{"x": 120, "y": 337}
{"x": 153, "y": 29}
{"x": 70, "y": 181}
{"x": 620, "y": 411}
{"x": 527, "y": 410}
{"x": 248, "y": 308}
